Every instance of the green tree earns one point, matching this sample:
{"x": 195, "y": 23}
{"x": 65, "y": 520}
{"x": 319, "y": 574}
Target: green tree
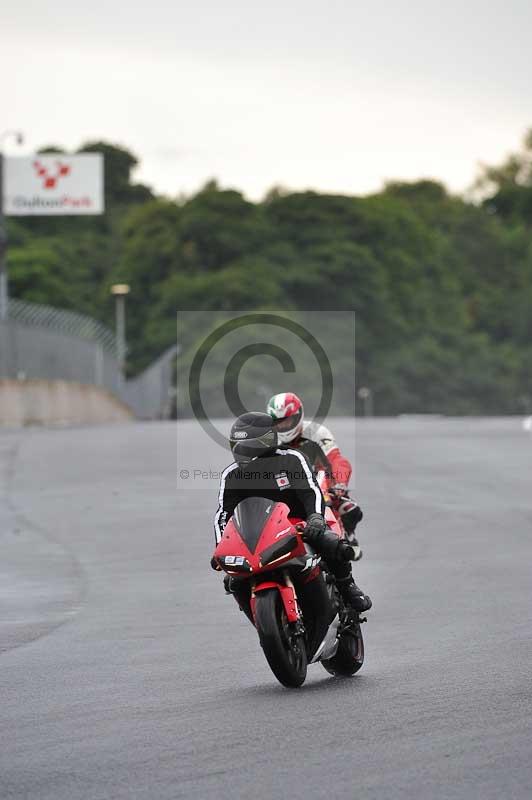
{"x": 507, "y": 187}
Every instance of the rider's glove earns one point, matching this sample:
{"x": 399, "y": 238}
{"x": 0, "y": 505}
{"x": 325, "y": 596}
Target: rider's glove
{"x": 315, "y": 527}
{"x": 215, "y": 565}
{"x": 351, "y": 514}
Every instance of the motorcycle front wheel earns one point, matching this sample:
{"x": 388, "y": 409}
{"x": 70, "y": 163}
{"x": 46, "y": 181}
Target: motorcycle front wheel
{"x": 284, "y": 649}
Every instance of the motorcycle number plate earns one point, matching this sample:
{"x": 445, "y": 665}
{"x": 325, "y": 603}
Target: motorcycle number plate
{"x": 236, "y": 561}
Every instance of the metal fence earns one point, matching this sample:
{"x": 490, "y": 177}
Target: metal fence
{"x": 151, "y": 395}
{"x": 31, "y": 350}
{"x": 61, "y": 321}
{"x": 38, "y": 341}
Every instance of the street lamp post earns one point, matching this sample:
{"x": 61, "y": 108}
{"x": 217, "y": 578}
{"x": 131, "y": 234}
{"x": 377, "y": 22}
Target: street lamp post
{"x": 366, "y": 395}
{"x": 120, "y": 290}
{"x": 4, "y": 287}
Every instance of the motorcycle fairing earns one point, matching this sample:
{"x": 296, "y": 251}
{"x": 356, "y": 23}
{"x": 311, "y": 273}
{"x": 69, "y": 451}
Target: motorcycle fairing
{"x": 250, "y": 518}
{"x": 252, "y": 548}
{"x": 278, "y": 549}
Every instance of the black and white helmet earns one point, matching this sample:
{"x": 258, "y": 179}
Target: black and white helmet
{"x": 252, "y": 436}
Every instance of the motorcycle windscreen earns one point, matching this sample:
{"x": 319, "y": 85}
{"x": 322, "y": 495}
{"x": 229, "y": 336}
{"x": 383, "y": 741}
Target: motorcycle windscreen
{"x": 250, "y": 517}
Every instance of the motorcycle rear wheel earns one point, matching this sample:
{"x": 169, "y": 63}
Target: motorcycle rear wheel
{"x": 284, "y": 650}
{"x": 350, "y": 654}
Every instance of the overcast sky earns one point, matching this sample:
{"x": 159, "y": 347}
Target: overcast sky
{"x": 336, "y": 96}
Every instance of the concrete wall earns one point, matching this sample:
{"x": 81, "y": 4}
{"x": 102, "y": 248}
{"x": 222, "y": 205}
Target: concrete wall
{"x": 57, "y": 402}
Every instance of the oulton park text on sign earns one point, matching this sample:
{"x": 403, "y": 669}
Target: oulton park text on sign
{"x": 53, "y": 184}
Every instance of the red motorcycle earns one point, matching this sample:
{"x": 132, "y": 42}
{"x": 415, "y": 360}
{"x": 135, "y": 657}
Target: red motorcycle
{"x": 287, "y": 592}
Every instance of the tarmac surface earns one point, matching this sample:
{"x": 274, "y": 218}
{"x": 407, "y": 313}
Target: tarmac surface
{"x": 125, "y": 671}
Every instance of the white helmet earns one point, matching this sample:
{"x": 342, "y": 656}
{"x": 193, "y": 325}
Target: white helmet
{"x": 286, "y": 410}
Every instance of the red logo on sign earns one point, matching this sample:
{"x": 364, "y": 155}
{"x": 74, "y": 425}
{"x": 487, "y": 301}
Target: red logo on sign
{"x": 49, "y": 180}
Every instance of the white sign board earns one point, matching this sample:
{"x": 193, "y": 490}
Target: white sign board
{"x": 53, "y": 184}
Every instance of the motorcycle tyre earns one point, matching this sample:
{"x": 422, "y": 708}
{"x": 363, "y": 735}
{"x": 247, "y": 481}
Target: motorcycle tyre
{"x": 270, "y": 620}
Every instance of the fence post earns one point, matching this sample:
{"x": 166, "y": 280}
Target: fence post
{"x": 98, "y": 365}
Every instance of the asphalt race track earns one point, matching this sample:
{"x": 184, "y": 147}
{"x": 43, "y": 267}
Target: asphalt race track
{"x": 125, "y": 671}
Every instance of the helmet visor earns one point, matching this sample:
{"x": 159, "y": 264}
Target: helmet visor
{"x": 287, "y": 423}
{"x": 247, "y": 449}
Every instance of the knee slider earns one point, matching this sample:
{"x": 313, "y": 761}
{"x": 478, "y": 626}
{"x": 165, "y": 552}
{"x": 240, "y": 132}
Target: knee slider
{"x": 333, "y": 549}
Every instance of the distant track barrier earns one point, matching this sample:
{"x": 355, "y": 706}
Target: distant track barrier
{"x": 42, "y": 342}
{"x": 58, "y": 403}
{"x": 39, "y": 342}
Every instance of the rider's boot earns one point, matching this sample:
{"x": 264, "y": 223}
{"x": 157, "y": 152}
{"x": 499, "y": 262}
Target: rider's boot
{"x": 353, "y": 541}
{"x": 352, "y": 595}
{"x": 351, "y": 515}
